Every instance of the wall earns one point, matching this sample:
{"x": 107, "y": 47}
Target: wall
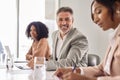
{"x": 50, "y": 9}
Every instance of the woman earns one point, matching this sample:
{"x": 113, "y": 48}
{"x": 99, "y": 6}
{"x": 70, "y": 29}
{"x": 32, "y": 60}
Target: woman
{"x": 106, "y": 14}
{"x": 40, "y": 47}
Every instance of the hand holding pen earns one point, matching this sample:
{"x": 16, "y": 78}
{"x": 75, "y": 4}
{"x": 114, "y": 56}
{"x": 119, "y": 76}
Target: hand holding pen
{"x": 61, "y": 71}
{"x": 74, "y": 68}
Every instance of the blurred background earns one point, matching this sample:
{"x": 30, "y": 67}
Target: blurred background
{"x": 17, "y": 14}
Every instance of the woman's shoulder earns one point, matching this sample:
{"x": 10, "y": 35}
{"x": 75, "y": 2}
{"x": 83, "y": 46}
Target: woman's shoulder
{"x": 43, "y": 41}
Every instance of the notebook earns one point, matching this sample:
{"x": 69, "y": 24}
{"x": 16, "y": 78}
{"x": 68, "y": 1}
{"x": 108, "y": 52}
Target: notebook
{"x": 21, "y": 64}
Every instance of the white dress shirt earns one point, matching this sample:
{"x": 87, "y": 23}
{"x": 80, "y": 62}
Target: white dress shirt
{"x": 59, "y": 44}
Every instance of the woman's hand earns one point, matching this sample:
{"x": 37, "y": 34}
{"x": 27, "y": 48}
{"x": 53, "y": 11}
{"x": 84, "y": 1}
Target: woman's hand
{"x": 76, "y": 76}
{"x": 61, "y": 71}
{"x": 29, "y": 57}
{"x": 31, "y": 63}
{"x": 72, "y": 76}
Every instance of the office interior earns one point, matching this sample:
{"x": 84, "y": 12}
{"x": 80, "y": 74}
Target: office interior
{"x": 17, "y": 14}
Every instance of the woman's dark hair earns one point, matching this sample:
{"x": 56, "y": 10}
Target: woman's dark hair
{"x": 108, "y": 4}
{"x": 41, "y": 29}
{"x": 65, "y": 9}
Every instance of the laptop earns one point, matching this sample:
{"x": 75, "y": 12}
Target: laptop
{"x": 8, "y": 52}
{"x": 19, "y": 63}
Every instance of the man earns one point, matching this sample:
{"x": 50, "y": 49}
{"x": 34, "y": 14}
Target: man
{"x": 70, "y": 46}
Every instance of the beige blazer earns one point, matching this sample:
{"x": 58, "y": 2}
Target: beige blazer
{"x": 114, "y": 65}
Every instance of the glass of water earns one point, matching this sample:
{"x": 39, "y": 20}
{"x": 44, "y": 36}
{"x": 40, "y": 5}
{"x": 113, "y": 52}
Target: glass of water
{"x": 39, "y": 68}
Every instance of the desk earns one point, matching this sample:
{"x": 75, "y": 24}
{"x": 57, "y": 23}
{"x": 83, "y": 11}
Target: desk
{"x": 18, "y": 74}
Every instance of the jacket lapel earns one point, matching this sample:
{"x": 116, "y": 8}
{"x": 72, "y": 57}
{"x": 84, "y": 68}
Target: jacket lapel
{"x": 55, "y": 44}
{"x": 111, "y": 51}
{"x": 66, "y": 40}
{"x": 116, "y": 42}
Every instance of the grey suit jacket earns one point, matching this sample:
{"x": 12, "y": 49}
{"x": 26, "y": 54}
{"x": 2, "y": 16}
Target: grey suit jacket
{"x": 74, "y": 51}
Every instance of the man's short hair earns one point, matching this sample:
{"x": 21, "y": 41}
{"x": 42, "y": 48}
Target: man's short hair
{"x": 65, "y": 9}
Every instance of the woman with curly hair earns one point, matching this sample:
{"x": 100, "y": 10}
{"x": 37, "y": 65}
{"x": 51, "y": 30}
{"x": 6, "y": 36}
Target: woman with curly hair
{"x": 38, "y": 32}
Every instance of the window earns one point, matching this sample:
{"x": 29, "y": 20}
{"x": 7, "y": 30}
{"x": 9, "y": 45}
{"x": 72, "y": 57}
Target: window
{"x": 29, "y": 10}
{"x": 8, "y": 24}
{"x": 16, "y": 15}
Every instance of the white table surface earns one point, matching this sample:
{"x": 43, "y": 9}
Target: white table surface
{"x": 18, "y": 74}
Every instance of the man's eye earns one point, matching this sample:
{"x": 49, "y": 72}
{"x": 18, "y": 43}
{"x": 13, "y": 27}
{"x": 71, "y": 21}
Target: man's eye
{"x": 67, "y": 19}
{"x": 60, "y": 19}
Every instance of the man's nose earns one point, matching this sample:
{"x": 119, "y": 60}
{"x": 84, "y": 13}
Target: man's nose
{"x": 63, "y": 22}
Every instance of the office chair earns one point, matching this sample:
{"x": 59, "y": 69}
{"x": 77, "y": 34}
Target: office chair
{"x": 93, "y": 59}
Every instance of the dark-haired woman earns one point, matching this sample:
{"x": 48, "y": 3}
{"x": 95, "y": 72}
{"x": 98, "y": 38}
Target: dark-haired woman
{"x": 38, "y": 32}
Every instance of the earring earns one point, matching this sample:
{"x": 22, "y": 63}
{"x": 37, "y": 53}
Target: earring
{"x": 118, "y": 11}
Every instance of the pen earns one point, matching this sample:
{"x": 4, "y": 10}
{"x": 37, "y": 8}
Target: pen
{"x": 74, "y": 68}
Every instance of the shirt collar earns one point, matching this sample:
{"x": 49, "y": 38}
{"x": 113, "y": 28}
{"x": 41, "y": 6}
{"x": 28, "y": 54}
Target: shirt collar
{"x": 59, "y": 37}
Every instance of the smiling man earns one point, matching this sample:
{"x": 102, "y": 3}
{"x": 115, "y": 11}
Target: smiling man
{"x": 70, "y": 46}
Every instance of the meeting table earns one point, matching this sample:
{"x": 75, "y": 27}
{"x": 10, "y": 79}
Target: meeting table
{"x": 19, "y": 74}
